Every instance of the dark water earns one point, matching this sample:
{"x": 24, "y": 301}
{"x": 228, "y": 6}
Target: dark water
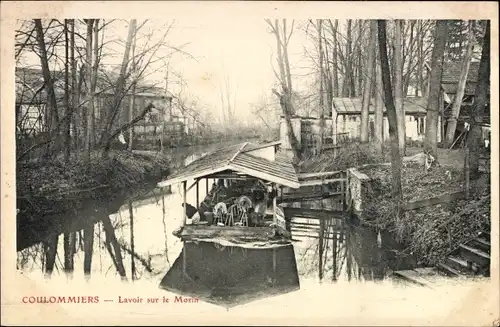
{"x": 328, "y": 252}
{"x": 323, "y": 250}
{"x": 338, "y": 252}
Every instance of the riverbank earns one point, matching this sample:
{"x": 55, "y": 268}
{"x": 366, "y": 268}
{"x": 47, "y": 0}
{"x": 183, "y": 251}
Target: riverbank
{"x": 429, "y": 232}
{"x": 54, "y": 196}
{"x": 432, "y": 231}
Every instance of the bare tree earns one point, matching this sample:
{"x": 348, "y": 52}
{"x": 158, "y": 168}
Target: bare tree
{"x": 90, "y": 96}
{"x": 119, "y": 91}
{"x": 319, "y": 26}
{"x": 481, "y": 99}
{"x": 430, "y": 144}
{"x": 462, "y": 81}
{"x": 365, "y": 114}
{"x": 334, "y": 28}
{"x": 348, "y": 76}
{"x": 52, "y": 116}
{"x": 397, "y": 192}
{"x": 398, "y": 86}
{"x": 67, "y": 108}
{"x": 285, "y": 79}
{"x": 379, "y": 110}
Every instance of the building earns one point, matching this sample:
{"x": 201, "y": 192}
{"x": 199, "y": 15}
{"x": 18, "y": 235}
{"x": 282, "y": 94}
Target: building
{"x": 31, "y": 105}
{"x": 346, "y": 113}
{"x": 347, "y": 117}
{"x": 449, "y": 87}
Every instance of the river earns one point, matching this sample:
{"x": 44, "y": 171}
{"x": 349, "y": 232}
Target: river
{"x": 307, "y": 272}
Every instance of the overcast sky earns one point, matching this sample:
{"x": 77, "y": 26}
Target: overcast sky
{"x": 243, "y": 49}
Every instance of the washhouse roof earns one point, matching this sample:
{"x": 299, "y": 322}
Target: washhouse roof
{"x": 244, "y": 159}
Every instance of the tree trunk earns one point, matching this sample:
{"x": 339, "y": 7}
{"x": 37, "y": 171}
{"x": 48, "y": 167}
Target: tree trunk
{"x": 111, "y": 239}
{"x": 457, "y": 103}
{"x": 379, "y": 110}
{"x": 367, "y": 92}
{"x": 287, "y": 67}
{"x": 132, "y": 243}
{"x": 68, "y": 109}
{"x": 420, "y": 51}
{"x": 119, "y": 93}
{"x": 93, "y": 84}
{"x": 409, "y": 56}
{"x": 430, "y": 143}
{"x": 391, "y": 115}
{"x": 328, "y": 80}
{"x": 50, "y": 254}
{"x": 74, "y": 94}
{"x": 398, "y": 87}
{"x": 346, "y": 92}
{"x": 131, "y": 109}
{"x": 69, "y": 251}
{"x": 335, "y": 61}
{"x": 286, "y": 97}
{"x": 321, "y": 93}
{"x": 480, "y": 101}
{"x": 52, "y": 116}
{"x": 89, "y": 95}
{"x": 88, "y": 248}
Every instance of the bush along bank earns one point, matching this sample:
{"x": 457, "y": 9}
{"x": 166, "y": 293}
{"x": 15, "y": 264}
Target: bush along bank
{"x": 432, "y": 231}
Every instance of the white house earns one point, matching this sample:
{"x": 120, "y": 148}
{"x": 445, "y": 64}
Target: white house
{"x": 346, "y": 113}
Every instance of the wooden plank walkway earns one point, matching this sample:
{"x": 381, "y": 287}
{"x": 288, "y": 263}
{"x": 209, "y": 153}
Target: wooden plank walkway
{"x": 446, "y": 198}
{"x": 426, "y": 277}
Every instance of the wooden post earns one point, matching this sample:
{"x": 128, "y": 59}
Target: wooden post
{"x": 184, "y": 259}
{"x": 342, "y": 191}
{"x": 320, "y": 244}
{"x": 441, "y": 111}
{"x": 206, "y": 186}
{"x": 274, "y": 263}
{"x": 132, "y": 245}
{"x": 198, "y": 194}
{"x": 334, "y": 256}
{"x": 184, "y": 191}
{"x": 466, "y": 173}
{"x": 275, "y": 219}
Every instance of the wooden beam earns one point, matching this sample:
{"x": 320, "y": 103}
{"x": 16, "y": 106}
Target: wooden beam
{"x": 238, "y": 152}
{"x": 198, "y": 194}
{"x": 321, "y": 182}
{"x": 192, "y": 185}
{"x": 321, "y": 174}
{"x": 433, "y": 201}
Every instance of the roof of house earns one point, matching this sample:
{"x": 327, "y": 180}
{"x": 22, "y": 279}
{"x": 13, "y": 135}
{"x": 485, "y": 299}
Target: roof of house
{"x": 352, "y": 106}
{"x": 30, "y": 86}
{"x": 451, "y": 75}
{"x": 451, "y": 72}
{"x": 236, "y": 158}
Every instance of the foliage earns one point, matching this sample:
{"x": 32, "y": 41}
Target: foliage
{"x": 352, "y": 154}
{"x": 45, "y": 188}
{"x": 430, "y": 232}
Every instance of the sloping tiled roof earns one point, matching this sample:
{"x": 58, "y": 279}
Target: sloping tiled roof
{"x": 234, "y": 158}
{"x": 352, "y": 106}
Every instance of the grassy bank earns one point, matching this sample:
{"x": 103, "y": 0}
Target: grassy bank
{"x": 53, "y": 195}
{"x": 430, "y": 232}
